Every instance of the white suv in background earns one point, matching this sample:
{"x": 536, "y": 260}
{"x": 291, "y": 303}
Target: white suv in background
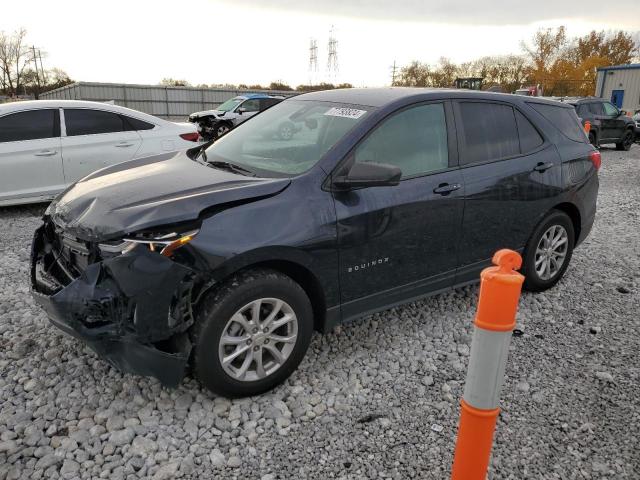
{"x": 45, "y": 145}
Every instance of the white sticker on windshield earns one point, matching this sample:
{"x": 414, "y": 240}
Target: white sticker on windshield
{"x": 345, "y": 112}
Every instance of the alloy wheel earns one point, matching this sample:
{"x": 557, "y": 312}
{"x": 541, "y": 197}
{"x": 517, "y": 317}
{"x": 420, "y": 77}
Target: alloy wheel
{"x": 258, "y": 339}
{"x": 222, "y": 129}
{"x": 551, "y": 252}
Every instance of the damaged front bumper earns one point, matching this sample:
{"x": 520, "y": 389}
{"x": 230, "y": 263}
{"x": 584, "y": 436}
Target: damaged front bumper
{"x": 132, "y": 309}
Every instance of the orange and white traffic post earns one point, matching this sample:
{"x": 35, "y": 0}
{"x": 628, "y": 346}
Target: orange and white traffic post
{"x": 500, "y": 288}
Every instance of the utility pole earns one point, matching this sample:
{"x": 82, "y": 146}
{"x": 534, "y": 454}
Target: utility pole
{"x": 393, "y": 73}
{"x": 35, "y": 62}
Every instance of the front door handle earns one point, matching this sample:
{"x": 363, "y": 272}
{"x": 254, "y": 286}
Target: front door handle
{"x": 446, "y": 188}
{"x": 543, "y": 167}
{"x": 46, "y": 153}
{"x": 124, "y": 144}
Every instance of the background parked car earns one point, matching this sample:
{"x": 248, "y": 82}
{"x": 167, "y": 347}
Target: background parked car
{"x": 608, "y": 123}
{"x": 47, "y": 145}
{"x": 636, "y": 119}
{"x": 215, "y": 123}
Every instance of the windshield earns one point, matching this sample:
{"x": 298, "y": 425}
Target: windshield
{"x": 288, "y": 138}
{"x": 230, "y": 104}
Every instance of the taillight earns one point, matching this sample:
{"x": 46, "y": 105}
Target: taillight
{"x": 190, "y": 137}
{"x": 596, "y": 159}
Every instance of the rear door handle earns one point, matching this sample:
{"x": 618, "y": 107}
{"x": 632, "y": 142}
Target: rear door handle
{"x": 543, "y": 167}
{"x": 124, "y": 144}
{"x": 45, "y": 153}
{"x": 446, "y": 188}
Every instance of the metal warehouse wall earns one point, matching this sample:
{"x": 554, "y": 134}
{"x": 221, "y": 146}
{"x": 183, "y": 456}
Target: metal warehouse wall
{"x": 172, "y": 103}
{"x": 627, "y": 79}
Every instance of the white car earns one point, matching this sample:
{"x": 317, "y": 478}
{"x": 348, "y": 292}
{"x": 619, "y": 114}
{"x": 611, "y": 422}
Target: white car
{"x": 46, "y": 145}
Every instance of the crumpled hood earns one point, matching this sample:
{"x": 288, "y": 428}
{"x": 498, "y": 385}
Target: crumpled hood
{"x": 206, "y": 113}
{"x": 150, "y": 192}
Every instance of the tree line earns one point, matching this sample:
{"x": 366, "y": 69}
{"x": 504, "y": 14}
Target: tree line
{"x": 276, "y": 85}
{"x": 21, "y": 71}
{"x": 562, "y": 65}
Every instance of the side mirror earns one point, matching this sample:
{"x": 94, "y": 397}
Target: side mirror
{"x": 241, "y": 110}
{"x": 369, "y": 175}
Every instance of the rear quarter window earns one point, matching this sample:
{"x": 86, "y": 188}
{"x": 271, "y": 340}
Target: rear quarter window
{"x": 530, "y": 138}
{"x": 564, "y": 119}
{"x": 136, "y": 124}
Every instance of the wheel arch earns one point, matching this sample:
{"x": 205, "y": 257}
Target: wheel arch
{"x": 295, "y": 268}
{"x": 306, "y": 279}
{"x": 574, "y": 214}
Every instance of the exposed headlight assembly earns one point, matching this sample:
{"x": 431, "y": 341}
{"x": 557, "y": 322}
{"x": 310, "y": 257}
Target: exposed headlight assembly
{"x": 163, "y": 243}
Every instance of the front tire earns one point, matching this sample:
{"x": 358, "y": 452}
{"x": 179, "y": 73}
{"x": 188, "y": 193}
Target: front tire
{"x": 251, "y": 333}
{"x": 548, "y": 252}
{"x": 220, "y": 129}
{"x": 593, "y": 140}
{"x": 626, "y": 142}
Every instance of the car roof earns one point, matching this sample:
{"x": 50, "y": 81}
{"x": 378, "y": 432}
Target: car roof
{"x": 39, "y": 104}
{"x": 577, "y": 100}
{"x": 380, "y": 97}
{"x": 257, "y": 95}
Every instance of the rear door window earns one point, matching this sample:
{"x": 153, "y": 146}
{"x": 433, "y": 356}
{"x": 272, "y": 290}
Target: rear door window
{"x": 564, "y": 119}
{"x": 582, "y": 110}
{"x": 530, "y": 138}
{"x": 30, "y": 125}
{"x": 596, "y": 108}
{"x": 488, "y": 132}
{"x": 80, "y": 121}
{"x": 267, "y": 102}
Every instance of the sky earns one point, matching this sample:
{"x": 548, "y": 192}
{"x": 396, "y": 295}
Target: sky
{"x": 260, "y": 41}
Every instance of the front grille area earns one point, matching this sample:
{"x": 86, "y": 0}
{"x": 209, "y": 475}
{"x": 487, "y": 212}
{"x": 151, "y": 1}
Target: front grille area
{"x": 73, "y": 254}
{"x": 60, "y": 258}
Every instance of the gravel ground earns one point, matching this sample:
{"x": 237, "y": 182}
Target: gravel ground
{"x": 375, "y": 399}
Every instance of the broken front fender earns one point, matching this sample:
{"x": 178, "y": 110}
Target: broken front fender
{"x": 132, "y": 309}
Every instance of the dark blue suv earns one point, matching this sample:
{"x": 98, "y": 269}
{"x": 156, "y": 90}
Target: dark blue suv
{"x": 224, "y": 259}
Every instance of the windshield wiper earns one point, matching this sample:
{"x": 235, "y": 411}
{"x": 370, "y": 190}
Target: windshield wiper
{"x": 232, "y": 167}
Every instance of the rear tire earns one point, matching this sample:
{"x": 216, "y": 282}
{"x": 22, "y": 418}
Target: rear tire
{"x": 548, "y": 252}
{"x": 237, "y": 350}
{"x": 626, "y": 142}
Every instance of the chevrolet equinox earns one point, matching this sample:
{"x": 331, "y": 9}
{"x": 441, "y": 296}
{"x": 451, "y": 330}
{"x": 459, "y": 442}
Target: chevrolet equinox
{"x": 221, "y": 261}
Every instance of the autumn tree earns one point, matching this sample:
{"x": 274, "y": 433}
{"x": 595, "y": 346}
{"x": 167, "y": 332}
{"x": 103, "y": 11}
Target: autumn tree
{"x": 15, "y": 57}
{"x": 416, "y": 74}
{"x": 568, "y": 66}
{"x": 174, "y": 82}
{"x": 279, "y": 85}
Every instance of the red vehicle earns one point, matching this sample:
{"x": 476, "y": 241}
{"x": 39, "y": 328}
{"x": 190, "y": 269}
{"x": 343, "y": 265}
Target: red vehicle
{"x": 532, "y": 91}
